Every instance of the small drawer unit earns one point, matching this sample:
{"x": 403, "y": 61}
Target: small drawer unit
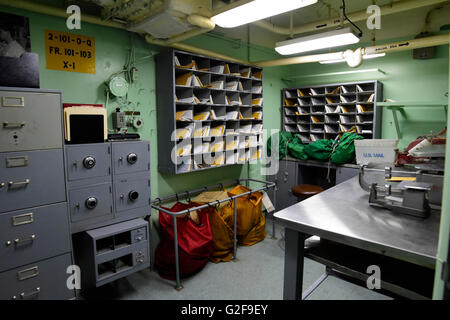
{"x": 130, "y": 156}
{"x": 33, "y": 234}
{"x": 31, "y": 178}
{"x": 30, "y": 120}
{"x": 109, "y": 253}
{"x": 42, "y": 280}
{"x": 88, "y": 161}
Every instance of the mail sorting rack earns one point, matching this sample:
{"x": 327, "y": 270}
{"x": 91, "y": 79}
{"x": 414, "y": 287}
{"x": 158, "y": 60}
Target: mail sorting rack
{"x": 326, "y": 111}
{"x": 156, "y": 204}
{"x": 210, "y": 112}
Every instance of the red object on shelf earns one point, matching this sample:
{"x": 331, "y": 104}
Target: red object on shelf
{"x": 194, "y": 243}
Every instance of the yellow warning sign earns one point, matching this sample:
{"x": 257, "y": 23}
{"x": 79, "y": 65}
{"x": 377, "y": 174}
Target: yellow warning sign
{"x": 69, "y": 52}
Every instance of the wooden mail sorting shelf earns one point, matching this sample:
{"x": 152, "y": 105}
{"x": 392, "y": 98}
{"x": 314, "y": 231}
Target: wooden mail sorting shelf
{"x": 210, "y": 112}
{"x": 325, "y": 111}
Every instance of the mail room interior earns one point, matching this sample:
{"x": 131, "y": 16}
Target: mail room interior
{"x": 224, "y": 150}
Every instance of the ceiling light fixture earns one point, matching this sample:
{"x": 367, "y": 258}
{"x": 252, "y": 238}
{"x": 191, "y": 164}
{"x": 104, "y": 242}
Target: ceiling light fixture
{"x": 365, "y": 57}
{"x": 257, "y": 10}
{"x": 335, "y": 38}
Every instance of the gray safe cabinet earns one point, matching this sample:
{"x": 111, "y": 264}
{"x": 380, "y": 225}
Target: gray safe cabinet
{"x": 108, "y": 183}
{"x": 35, "y": 246}
{"x": 109, "y": 193}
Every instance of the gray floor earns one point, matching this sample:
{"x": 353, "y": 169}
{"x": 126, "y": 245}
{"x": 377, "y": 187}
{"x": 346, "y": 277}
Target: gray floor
{"x": 258, "y": 275}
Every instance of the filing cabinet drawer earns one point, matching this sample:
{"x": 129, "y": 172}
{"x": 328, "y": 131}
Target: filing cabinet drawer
{"x": 129, "y": 157}
{"x": 31, "y": 178}
{"x": 43, "y": 280}
{"x": 88, "y": 161}
{"x": 33, "y": 234}
{"x": 91, "y": 201}
{"x": 30, "y": 121}
{"x": 131, "y": 191}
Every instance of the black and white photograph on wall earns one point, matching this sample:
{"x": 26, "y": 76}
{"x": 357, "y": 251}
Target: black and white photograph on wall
{"x": 14, "y": 35}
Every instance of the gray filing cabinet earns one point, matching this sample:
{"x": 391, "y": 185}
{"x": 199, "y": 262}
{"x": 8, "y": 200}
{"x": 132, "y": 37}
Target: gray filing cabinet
{"x": 108, "y": 183}
{"x": 285, "y": 179}
{"x": 35, "y": 245}
{"x": 112, "y": 252}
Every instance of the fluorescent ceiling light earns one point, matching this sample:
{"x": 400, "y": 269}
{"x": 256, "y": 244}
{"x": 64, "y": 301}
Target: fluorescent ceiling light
{"x": 365, "y": 57}
{"x": 335, "y": 38}
{"x": 257, "y": 10}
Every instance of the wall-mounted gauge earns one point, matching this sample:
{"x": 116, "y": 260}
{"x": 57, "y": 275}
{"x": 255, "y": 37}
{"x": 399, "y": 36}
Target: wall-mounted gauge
{"x": 118, "y": 86}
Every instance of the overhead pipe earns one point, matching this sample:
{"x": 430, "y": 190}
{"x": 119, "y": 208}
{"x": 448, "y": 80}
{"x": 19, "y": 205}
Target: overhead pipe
{"x": 387, "y": 9}
{"x": 409, "y": 44}
{"x": 390, "y": 47}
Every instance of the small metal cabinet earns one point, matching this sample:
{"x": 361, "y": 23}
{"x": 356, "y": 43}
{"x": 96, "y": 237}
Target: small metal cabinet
{"x": 109, "y": 253}
{"x": 33, "y": 234}
{"x": 42, "y": 280}
{"x": 132, "y": 191}
{"x": 343, "y": 174}
{"x": 108, "y": 183}
{"x": 31, "y": 178}
{"x": 130, "y": 156}
{"x": 87, "y": 161}
{"x": 30, "y": 120}
{"x": 91, "y": 202}
{"x": 285, "y": 179}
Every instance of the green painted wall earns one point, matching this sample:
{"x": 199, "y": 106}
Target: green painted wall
{"x": 406, "y": 79}
{"x": 112, "y": 47}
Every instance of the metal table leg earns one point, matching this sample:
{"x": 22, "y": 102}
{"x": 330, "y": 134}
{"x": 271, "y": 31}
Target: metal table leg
{"x": 293, "y": 265}
{"x": 316, "y": 284}
{"x": 274, "y": 236}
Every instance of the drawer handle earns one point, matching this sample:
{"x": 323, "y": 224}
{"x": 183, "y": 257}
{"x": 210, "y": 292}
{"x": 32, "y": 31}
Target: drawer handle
{"x": 20, "y": 104}
{"x": 28, "y": 273}
{"x": 25, "y": 240}
{"x": 23, "y": 219}
{"x": 19, "y": 184}
{"x": 30, "y": 295}
{"x": 2, "y": 184}
{"x": 14, "y": 162}
{"x": 12, "y": 125}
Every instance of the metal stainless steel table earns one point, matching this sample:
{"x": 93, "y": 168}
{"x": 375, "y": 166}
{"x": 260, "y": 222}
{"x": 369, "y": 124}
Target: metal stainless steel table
{"x": 342, "y": 214}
